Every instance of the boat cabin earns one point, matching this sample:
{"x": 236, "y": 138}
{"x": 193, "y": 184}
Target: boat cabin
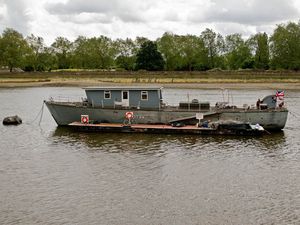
{"x": 125, "y": 97}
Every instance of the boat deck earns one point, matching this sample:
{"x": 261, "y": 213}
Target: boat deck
{"x": 158, "y": 128}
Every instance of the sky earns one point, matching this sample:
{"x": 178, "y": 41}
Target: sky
{"x": 144, "y": 18}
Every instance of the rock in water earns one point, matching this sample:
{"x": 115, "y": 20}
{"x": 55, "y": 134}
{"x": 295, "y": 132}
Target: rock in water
{"x": 12, "y": 120}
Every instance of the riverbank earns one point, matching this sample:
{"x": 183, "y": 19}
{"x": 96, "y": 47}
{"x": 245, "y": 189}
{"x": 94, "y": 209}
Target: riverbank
{"x": 286, "y": 80}
{"x": 238, "y": 86}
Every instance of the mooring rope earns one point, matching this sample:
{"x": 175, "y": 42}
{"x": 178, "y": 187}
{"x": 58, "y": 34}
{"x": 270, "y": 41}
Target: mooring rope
{"x": 296, "y": 115}
{"x": 39, "y": 115}
{"x": 42, "y": 113}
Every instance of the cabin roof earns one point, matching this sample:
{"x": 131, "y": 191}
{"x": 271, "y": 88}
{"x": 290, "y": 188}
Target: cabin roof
{"x": 125, "y": 88}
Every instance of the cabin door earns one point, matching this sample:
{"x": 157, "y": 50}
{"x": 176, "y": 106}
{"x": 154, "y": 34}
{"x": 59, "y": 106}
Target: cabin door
{"x": 125, "y": 98}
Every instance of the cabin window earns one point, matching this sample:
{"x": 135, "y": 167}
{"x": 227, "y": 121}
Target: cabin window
{"x": 144, "y": 95}
{"x": 124, "y": 95}
{"x": 107, "y": 95}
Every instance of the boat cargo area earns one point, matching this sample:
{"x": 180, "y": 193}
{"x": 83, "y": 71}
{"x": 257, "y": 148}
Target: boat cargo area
{"x": 221, "y": 129}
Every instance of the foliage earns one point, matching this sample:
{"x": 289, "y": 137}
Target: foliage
{"x": 93, "y": 53}
{"x": 41, "y": 57}
{"x": 149, "y": 58}
{"x": 62, "y": 47}
{"x": 285, "y": 47}
{"x": 194, "y": 54}
{"x": 262, "y": 54}
{"x": 126, "y": 53}
{"x": 183, "y": 52}
{"x": 13, "y": 49}
{"x": 171, "y": 52}
{"x": 238, "y": 53}
{"x": 168, "y": 46}
{"x": 215, "y": 45}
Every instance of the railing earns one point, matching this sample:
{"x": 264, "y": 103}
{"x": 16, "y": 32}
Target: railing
{"x": 61, "y": 98}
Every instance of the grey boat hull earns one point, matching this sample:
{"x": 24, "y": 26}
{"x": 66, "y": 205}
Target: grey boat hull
{"x": 66, "y": 113}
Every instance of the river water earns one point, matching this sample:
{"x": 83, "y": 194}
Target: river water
{"x": 51, "y": 175}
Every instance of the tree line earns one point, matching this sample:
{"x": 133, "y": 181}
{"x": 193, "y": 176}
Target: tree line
{"x": 210, "y": 50}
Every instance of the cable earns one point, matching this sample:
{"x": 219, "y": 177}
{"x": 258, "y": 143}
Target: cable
{"x": 40, "y": 114}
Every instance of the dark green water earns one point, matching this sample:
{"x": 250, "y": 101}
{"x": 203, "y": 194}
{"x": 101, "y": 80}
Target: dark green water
{"x": 51, "y": 175}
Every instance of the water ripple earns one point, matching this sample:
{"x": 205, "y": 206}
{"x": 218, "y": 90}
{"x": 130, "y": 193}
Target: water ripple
{"x": 51, "y": 175}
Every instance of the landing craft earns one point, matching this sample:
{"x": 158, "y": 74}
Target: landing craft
{"x": 146, "y": 106}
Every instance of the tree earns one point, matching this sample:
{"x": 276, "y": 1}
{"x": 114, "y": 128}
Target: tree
{"x": 46, "y": 60}
{"x": 138, "y": 42}
{"x": 81, "y": 55}
{"x": 126, "y": 53}
{"x": 105, "y": 51}
{"x": 238, "y": 53}
{"x": 285, "y": 47}
{"x": 214, "y": 44}
{"x": 149, "y": 58}
{"x": 259, "y": 46}
{"x": 169, "y": 52}
{"x": 168, "y": 46}
{"x": 41, "y": 58}
{"x": 62, "y": 47}
{"x": 13, "y": 49}
{"x": 186, "y": 52}
{"x": 93, "y": 53}
{"x": 193, "y": 52}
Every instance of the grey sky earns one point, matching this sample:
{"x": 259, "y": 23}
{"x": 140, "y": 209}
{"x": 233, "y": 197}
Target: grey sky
{"x": 148, "y": 18}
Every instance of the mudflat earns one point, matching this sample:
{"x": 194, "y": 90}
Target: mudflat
{"x": 196, "y": 85}
{"x": 202, "y": 80}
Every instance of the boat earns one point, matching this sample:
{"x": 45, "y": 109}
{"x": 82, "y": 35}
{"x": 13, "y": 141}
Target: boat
{"x": 145, "y": 105}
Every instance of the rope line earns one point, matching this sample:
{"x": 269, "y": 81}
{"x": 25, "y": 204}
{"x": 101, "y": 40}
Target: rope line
{"x": 296, "y": 115}
{"x": 39, "y": 115}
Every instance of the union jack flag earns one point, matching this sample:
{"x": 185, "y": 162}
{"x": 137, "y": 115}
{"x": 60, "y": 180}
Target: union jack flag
{"x": 280, "y": 94}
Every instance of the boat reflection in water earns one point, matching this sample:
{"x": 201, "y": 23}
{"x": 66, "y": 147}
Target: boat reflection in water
{"x": 157, "y": 143}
